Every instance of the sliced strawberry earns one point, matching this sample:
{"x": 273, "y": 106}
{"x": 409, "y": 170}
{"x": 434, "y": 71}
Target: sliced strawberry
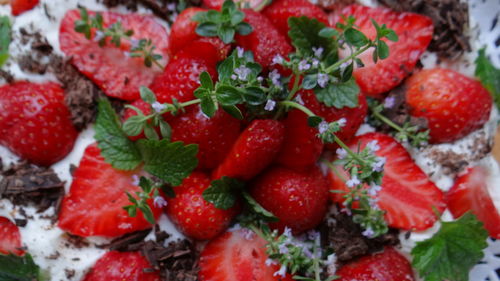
{"x": 470, "y": 193}
{"x": 194, "y": 216}
{"x": 265, "y": 41}
{"x": 10, "y": 238}
{"x": 414, "y": 32}
{"x": 217, "y": 4}
{"x": 35, "y": 122}
{"x": 281, "y": 10}
{"x": 111, "y": 68}
{"x": 94, "y": 204}
{"x": 407, "y": 194}
{"x": 120, "y": 266}
{"x": 237, "y": 256}
{"x": 298, "y": 199}
{"x": 454, "y": 105}
{"x": 255, "y": 149}
{"x": 386, "y": 266}
{"x": 20, "y": 6}
{"x": 214, "y": 136}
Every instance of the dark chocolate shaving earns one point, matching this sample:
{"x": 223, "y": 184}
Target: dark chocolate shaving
{"x": 129, "y": 242}
{"x": 334, "y": 5}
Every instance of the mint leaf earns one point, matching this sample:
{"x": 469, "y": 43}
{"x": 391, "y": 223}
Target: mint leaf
{"x": 488, "y": 75}
{"x": 5, "y": 38}
{"x": 169, "y": 161}
{"x": 223, "y": 192}
{"x": 452, "y": 251}
{"x": 115, "y": 147}
{"x": 307, "y": 33}
{"x": 18, "y": 268}
{"x": 258, "y": 209}
{"x": 339, "y": 95}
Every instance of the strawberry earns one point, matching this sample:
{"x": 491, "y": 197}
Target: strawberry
{"x": 281, "y": 10}
{"x": 10, "y": 238}
{"x": 265, "y": 41}
{"x": 471, "y": 193}
{"x": 110, "y": 67}
{"x": 94, "y": 204}
{"x": 237, "y": 256}
{"x": 298, "y": 199}
{"x": 407, "y": 194}
{"x": 301, "y": 146}
{"x": 214, "y": 135}
{"x": 183, "y": 29}
{"x": 217, "y": 4}
{"x": 386, "y": 266}
{"x": 254, "y": 150}
{"x": 119, "y": 266}
{"x": 194, "y": 216}
{"x": 35, "y": 122}
{"x": 414, "y": 32}
{"x": 20, "y": 6}
{"x": 453, "y": 105}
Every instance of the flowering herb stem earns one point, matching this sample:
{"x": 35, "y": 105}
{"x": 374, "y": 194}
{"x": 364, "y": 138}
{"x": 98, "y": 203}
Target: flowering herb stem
{"x": 344, "y": 60}
{"x": 296, "y": 87}
{"x": 298, "y": 106}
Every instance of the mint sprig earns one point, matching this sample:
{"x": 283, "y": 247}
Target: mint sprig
{"x": 19, "y": 268}
{"x": 5, "y": 38}
{"x": 223, "y": 192}
{"x": 488, "y": 75}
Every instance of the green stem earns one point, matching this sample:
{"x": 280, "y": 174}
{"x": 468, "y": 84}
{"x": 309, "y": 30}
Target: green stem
{"x": 392, "y": 124}
{"x": 317, "y": 271}
{"x": 353, "y": 55}
{"x": 296, "y": 87}
{"x": 298, "y": 106}
{"x": 346, "y": 148}
{"x": 191, "y": 102}
{"x": 159, "y": 65}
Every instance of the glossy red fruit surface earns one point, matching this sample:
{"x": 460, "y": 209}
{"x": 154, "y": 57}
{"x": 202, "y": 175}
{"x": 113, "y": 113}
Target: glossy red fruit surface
{"x": 10, "y": 238}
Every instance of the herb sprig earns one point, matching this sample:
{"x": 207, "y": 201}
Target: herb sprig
{"x": 489, "y": 75}
{"x": 22, "y": 268}
{"x": 5, "y": 38}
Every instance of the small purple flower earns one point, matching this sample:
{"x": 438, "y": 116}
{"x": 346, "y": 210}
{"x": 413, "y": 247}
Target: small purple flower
{"x": 270, "y": 262}
{"x": 341, "y": 153}
{"x": 134, "y": 43}
{"x": 368, "y": 232}
{"x": 389, "y": 102}
{"x": 307, "y": 252}
{"x": 304, "y": 65}
{"x": 99, "y": 35}
{"x": 283, "y": 249}
{"x": 287, "y": 232}
{"x": 342, "y": 122}
{"x": 323, "y": 127}
{"x": 275, "y": 78}
{"x": 323, "y": 79}
{"x": 171, "y": 7}
{"x": 159, "y": 202}
{"x": 242, "y": 72}
{"x": 374, "y": 190}
{"x": 353, "y": 181}
{"x": 347, "y": 211}
{"x": 281, "y": 272}
{"x": 318, "y": 51}
{"x": 260, "y": 79}
{"x": 315, "y": 63}
{"x": 277, "y": 59}
{"x": 373, "y": 202}
{"x": 373, "y": 146}
{"x": 379, "y": 165}
{"x": 135, "y": 180}
{"x": 240, "y": 52}
{"x": 247, "y": 233}
{"x": 158, "y": 107}
{"x": 234, "y": 77}
{"x": 270, "y": 105}
{"x": 299, "y": 99}
{"x": 312, "y": 235}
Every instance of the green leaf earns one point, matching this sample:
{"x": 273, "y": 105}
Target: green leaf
{"x": 382, "y": 50}
{"x": 208, "y": 106}
{"x": 339, "y": 95}
{"x": 115, "y": 146}
{"x": 147, "y": 213}
{"x": 5, "y": 38}
{"x": 328, "y": 32}
{"x": 226, "y": 34}
{"x": 254, "y": 95}
{"x": 305, "y": 34}
{"x": 452, "y": 251}
{"x": 16, "y": 268}
{"x": 150, "y": 132}
{"x": 206, "y": 81}
{"x": 244, "y": 28}
{"x": 310, "y": 81}
{"x": 169, "y": 161}
{"x": 258, "y": 209}
{"x": 147, "y": 95}
{"x": 233, "y": 111}
{"x": 223, "y": 192}
{"x": 229, "y": 95}
{"x": 165, "y": 130}
{"x": 355, "y": 37}
{"x": 313, "y": 121}
{"x": 207, "y": 29}
{"x": 488, "y": 75}
{"x": 134, "y": 125}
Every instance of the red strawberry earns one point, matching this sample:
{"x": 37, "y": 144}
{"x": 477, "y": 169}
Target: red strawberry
{"x": 35, "y": 122}
{"x": 94, "y": 204}
{"x": 20, "y": 6}
{"x": 237, "y": 256}
{"x": 255, "y": 149}
{"x": 115, "y": 72}
{"x": 407, "y": 194}
{"x": 298, "y": 199}
{"x": 214, "y": 135}
{"x": 281, "y": 10}
{"x": 471, "y": 192}
{"x": 183, "y": 29}
{"x": 301, "y": 146}
{"x": 386, "y": 266}
{"x": 415, "y": 34}
{"x": 217, "y": 4}
{"x": 194, "y": 216}
{"x": 265, "y": 41}
{"x": 10, "y": 238}
{"x": 454, "y": 105}
{"x": 120, "y": 266}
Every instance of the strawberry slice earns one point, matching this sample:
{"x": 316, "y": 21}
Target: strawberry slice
{"x": 414, "y": 32}
{"x": 110, "y": 67}
{"x": 10, "y": 238}
{"x": 194, "y": 216}
{"x": 454, "y": 105}
{"x": 298, "y": 199}
{"x": 386, "y": 266}
{"x": 254, "y": 150}
{"x": 237, "y": 256}
{"x": 20, "y": 6}
{"x": 120, "y": 266}
{"x": 407, "y": 194}
{"x": 35, "y": 122}
{"x": 94, "y": 204}
{"x": 471, "y": 193}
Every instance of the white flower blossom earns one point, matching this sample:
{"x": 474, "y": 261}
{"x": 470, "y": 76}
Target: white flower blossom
{"x": 159, "y": 202}
{"x": 270, "y": 105}
{"x": 99, "y": 35}
{"x": 240, "y": 51}
{"x": 341, "y": 153}
{"x": 373, "y": 145}
{"x": 389, "y": 102}
{"x": 275, "y": 77}
{"x": 323, "y": 127}
{"x": 277, "y": 59}
{"x": 242, "y": 72}
{"x": 281, "y": 272}
{"x": 374, "y": 190}
{"x": 299, "y": 99}
{"x": 135, "y": 180}
{"x": 323, "y": 79}
{"x": 342, "y": 122}
{"x": 158, "y": 107}
{"x": 368, "y": 232}
{"x": 353, "y": 181}
{"x": 318, "y": 51}
{"x": 304, "y": 65}
{"x": 379, "y": 165}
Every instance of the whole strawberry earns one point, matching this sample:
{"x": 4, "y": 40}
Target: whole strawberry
{"x": 35, "y": 122}
{"x": 195, "y": 217}
{"x": 21, "y": 6}
{"x": 453, "y": 105}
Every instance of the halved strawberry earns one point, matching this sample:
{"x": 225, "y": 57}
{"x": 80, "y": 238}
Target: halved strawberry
{"x": 407, "y": 194}
{"x": 110, "y": 67}
{"x": 386, "y": 266}
{"x": 454, "y": 105}
{"x": 35, "y": 122}
{"x": 471, "y": 193}
{"x": 20, "y": 6}
{"x": 414, "y": 32}
{"x": 194, "y": 216}
{"x": 10, "y": 238}
{"x": 120, "y": 266}
{"x": 94, "y": 204}
{"x": 237, "y": 256}
{"x": 298, "y": 199}
{"x": 255, "y": 149}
